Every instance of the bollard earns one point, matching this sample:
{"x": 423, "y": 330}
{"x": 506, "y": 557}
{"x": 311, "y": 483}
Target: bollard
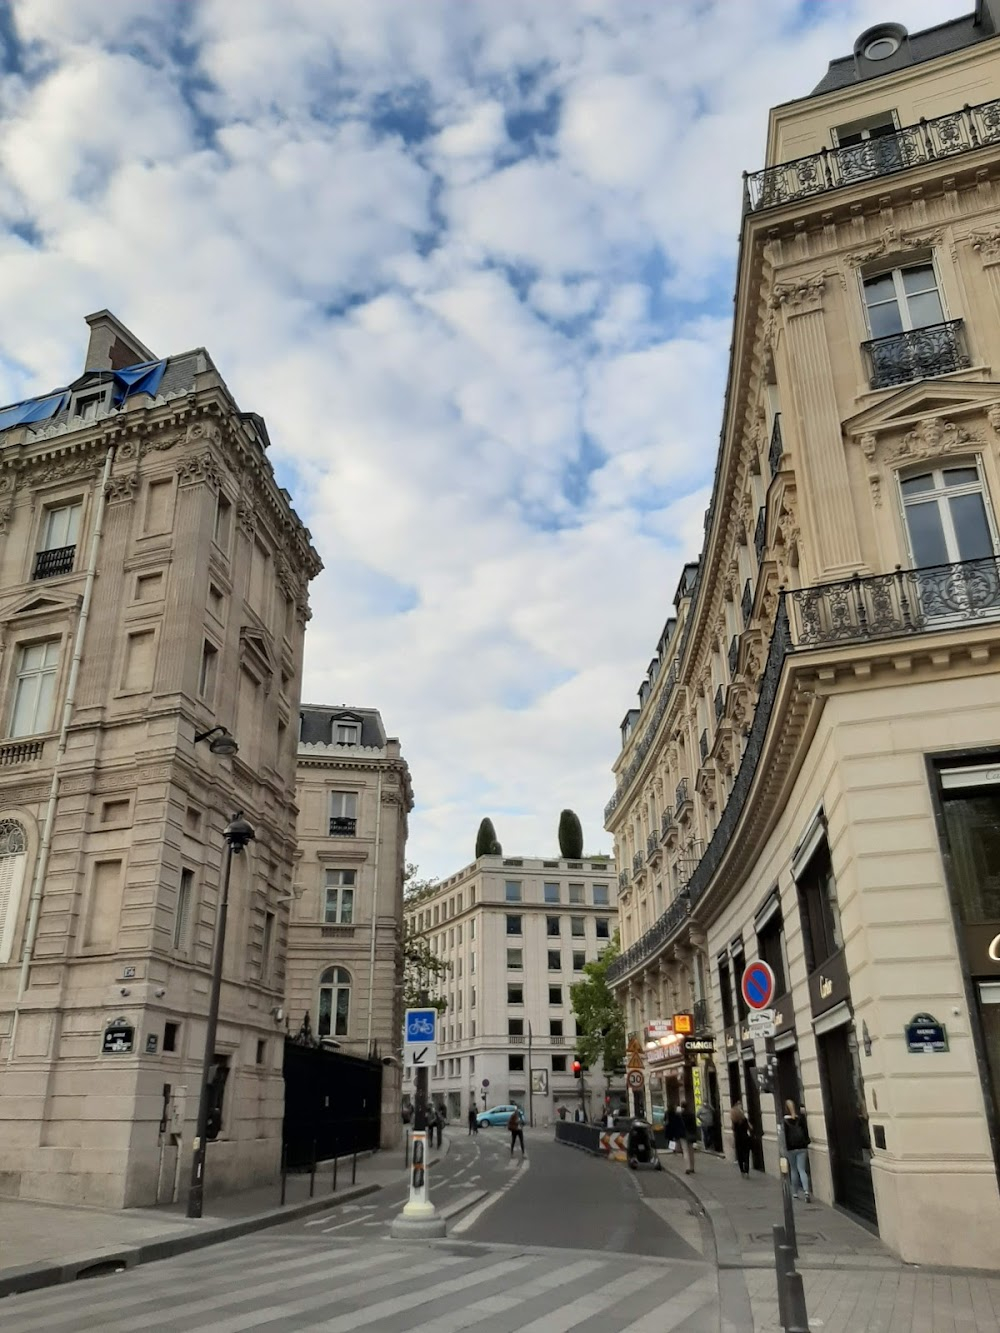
{"x": 780, "y": 1259}
{"x": 312, "y": 1172}
{"x": 406, "y": 1150}
{"x": 284, "y": 1172}
{"x": 792, "y": 1312}
{"x": 354, "y": 1168}
{"x": 335, "y": 1166}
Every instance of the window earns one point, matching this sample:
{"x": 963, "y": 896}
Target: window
{"x": 182, "y": 913}
{"x": 57, "y": 541}
{"x": 170, "y": 1034}
{"x": 555, "y": 995}
{"x": 451, "y": 938}
{"x": 512, "y": 890}
{"x": 266, "y": 947}
{"x": 12, "y": 862}
{"x": 338, "y": 909}
{"x": 515, "y": 1027}
{"x": 817, "y": 889}
{"x": 87, "y": 405}
{"x": 458, "y": 934}
{"x": 515, "y": 959}
{"x": 576, "y": 894}
{"x": 515, "y": 1064}
{"x": 223, "y": 522}
{"x": 552, "y": 925}
{"x": 602, "y": 927}
{"x": 472, "y": 962}
{"x": 771, "y": 946}
{"x": 559, "y": 1064}
{"x": 726, "y": 992}
{"x": 348, "y": 733}
{"x": 600, "y": 895}
{"x": 209, "y": 668}
{"x": 868, "y": 147}
{"x": 550, "y": 892}
{"x": 261, "y": 1051}
{"x": 513, "y": 924}
{"x": 555, "y": 1027}
{"x": 334, "y": 1002}
{"x": 515, "y": 995}
{"x": 902, "y": 299}
{"x": 472, "y": 929}
{"x": 577, "y": 927}
{"x": 344, "y": 817}
{"x": 579, "y": 961}
{"x": 739, "y": 967}
{"x": 555, "y": 960}
{"x": 34, "y": 688}
{"x": 947, "y": 519}
{"x": 472, "y": 999}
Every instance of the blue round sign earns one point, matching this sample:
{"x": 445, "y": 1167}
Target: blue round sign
{"x": 758, "y": 985}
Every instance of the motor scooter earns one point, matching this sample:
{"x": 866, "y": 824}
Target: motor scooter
{"x": 640, "y": 1147}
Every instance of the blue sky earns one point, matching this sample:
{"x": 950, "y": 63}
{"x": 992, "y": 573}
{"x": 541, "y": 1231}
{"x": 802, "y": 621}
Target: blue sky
{"x": 473, "y": 262}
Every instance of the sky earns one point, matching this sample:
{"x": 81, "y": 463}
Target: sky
{"x": 473, "y": 261}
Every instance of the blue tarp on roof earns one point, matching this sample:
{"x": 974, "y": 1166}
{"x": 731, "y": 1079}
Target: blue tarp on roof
{"x": 33, "y": 409}
{"x": 144, "y": 378}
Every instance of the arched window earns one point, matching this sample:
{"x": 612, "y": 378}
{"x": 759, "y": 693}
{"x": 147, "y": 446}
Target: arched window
{"x": 12, "y": 859}
{"x": 334, "y": 1002}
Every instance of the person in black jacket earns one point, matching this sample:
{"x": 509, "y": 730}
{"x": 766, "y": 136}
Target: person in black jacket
{"x": 742, "y": 1131}
{"x": 687, "y": 1127}
{"x": 797, "y": 1147}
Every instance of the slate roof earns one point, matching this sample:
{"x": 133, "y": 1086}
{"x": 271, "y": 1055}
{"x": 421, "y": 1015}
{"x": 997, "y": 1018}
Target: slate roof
{"x": 318, "y": 721}
{"x": 941, "y": 40}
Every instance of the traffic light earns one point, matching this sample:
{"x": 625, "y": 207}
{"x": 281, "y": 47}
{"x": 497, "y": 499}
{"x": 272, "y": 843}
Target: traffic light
{"x": 577, "y": 1066}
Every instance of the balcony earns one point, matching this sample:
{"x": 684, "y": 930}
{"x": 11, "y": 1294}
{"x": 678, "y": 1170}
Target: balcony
{"x": 931, "y": 140}
{"x": 720, "y": 704}
{"x": 703, "y": 745}
{"x": 746, "y": 604}
{"x": 667, "y": 821}
{"x": 760, "y": 535}
{"x": 681, "y": 796}
{"x": 637, "y": 863}
{"x": 20, "y": 752}
{"x": 777, "y": 449}
{"x": 734, "y": 654}
{"x": 343, "y": 826}
{"x": 652, "y": 846}
{"x": 622, "y": 881}
{"x": 885, "y": 606}
{"x": 50, "y": 563}
{"x": 702, "y": 1020}
{"x": 917, "y": 354}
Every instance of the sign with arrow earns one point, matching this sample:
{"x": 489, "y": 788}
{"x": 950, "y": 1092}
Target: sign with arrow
{"x": 420, "y": 1038}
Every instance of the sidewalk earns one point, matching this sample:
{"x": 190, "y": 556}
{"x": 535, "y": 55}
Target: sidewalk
{"x": 853, "y": 1283}
{"x": 42, "y": 1244}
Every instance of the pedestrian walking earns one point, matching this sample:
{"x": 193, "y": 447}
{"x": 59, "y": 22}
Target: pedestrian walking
{"x": 706, "y": 1119}
{"x": 515, "y": 1128}
{"x": 688, "y": 1128}
{"x": 431, "y": 1123}
{"x": 440, "y": 1123}
{"x": 562, "y": 1113}
{"x": 473, "y": 1119}
{"x": 578, "y": 1114}
{"x": 797, "y": 1147}
{"x": 742, "y": 1130}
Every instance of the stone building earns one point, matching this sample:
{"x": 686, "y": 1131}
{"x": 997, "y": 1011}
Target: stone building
{"x": 516, "y": 933}
{"x": 153, "y": 587}
{"x": 345, "y": 948}
{"x": 812, "y": 776}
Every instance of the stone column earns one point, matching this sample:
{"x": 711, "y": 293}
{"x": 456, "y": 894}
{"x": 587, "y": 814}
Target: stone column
{"x": 821, "y": 470}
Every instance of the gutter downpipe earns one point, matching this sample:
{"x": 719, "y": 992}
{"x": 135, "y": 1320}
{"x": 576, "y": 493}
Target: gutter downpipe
{"x": 41, "y": 865}
{"x": 371, "y": 957}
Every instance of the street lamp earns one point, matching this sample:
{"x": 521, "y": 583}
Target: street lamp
{"x": 222, "y": 740}
{"x": 237, "y": 833}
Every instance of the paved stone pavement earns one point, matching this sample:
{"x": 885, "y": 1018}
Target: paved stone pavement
{"x": 291, "y": 1282}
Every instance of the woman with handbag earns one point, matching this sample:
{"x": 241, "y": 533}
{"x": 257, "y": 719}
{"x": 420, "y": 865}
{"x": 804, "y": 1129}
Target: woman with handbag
{"x": 797, "y": 1147}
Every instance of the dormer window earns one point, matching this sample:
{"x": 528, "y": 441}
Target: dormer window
{"x": 90, "y": 402}
{"x": 347, "y": 733}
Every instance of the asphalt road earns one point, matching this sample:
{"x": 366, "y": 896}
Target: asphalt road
{"x": 561, "y": 1243}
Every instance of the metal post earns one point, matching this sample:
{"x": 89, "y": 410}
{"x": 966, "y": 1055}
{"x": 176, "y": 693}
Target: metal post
{"x": 312, "y": 1172}
{"x": 531, "y": 1086}
{"x": 335, "y": 1159}
{"x": 780, "y": 1261}
{"x": 196, "y": 1192}
{"x": 787, "y": 1205}
{"x": 406, "y": 1148}
{"x": 354, "y": 1168}
{"x": 284, "y": 1172}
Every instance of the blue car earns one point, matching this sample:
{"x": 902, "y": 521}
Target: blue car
{"x": 499, "y": 1115}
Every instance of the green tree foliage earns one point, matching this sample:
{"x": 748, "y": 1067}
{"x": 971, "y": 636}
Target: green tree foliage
{"x": 486, "y": 840}
{"x": 600, "y": 1021}
{"x": 423, "y": 971}
{"x": 570, "y": 836}
{"x": 414, "y": 887}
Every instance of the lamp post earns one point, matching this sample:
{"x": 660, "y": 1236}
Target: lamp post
{"x": 237, "y": 833}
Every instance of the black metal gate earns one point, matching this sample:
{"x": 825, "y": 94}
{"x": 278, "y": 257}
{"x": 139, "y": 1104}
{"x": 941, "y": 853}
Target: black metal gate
{"x": 332, "y": 1101}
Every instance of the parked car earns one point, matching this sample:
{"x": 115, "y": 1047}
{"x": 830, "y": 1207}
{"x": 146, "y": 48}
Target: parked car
{"x": 499, "y": 1115}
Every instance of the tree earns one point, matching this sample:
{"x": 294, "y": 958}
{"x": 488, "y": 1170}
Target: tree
{"x": 600, "y": 1020}
{"x": 570, "y": 836}
{"x": 486, "y": 840}
{"x": 422, "y": 969}
{"x": 413, "y": 886}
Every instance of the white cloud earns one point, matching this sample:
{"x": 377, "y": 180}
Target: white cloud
{"x": 466, "y": 259}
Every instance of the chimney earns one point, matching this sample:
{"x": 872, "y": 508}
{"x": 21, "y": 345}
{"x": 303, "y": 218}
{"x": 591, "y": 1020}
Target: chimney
{"x": 112, "y": 346}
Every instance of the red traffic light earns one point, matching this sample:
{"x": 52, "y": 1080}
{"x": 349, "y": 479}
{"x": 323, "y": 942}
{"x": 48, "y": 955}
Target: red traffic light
{"x": 576, "y": 1068}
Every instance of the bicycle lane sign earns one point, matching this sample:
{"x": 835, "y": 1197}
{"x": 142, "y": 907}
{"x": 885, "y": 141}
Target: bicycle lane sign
{"x": 420, "y": 1036}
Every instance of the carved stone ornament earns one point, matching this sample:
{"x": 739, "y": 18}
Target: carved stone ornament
{"x": 198, "y": 469}
{"x": 987, "y": 245}
{"x": 993, "y": 416}
{"x": 74, "y": 466}
{"x": 121, "y": 488}
{"x": 930, "y": 437}
{"x": 5, "y": 513}
{"x": 246, "y": 518}
{"x": 893, "y": 242}
{"x": 202, "y": 430}
{"x": 802, "y": 297}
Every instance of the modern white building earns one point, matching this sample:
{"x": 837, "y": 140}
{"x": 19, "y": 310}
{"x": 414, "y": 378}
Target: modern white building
{"x": 516, "y": 932}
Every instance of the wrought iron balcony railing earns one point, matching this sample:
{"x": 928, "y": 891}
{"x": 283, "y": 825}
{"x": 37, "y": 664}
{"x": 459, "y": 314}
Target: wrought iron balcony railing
{"x": 734, "y": 654}
{"x": 720, "y": 703}
{"x": 882, "y": 606}
{"x": 681, "y": 795}
{"x": 667, "y": 821}
{"x": 831, "y": 168}
{"x": 50, "y": 563}
{"x": 702, "y": 1020}
{"x": 703, "y": 745}
{"x": 622, "y": 880}
{"x": 342, "y": 826}
{"x": 652, "y": 845}
{"x": 917, "y": 354}
{"x": 636, "y": 863}
{"x": 746, "y": 603}
{"x": 777, "y": 446}
{"x": 760, "y": 534}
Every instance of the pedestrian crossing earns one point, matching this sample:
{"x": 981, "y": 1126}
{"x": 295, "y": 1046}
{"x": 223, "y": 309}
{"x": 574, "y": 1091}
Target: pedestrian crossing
{"x": 308, "y": 1281}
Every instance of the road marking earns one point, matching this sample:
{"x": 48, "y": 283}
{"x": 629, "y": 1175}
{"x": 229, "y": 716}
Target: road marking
{"x": 475, "y": 1214}
{"x": 351, "y": 1222}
